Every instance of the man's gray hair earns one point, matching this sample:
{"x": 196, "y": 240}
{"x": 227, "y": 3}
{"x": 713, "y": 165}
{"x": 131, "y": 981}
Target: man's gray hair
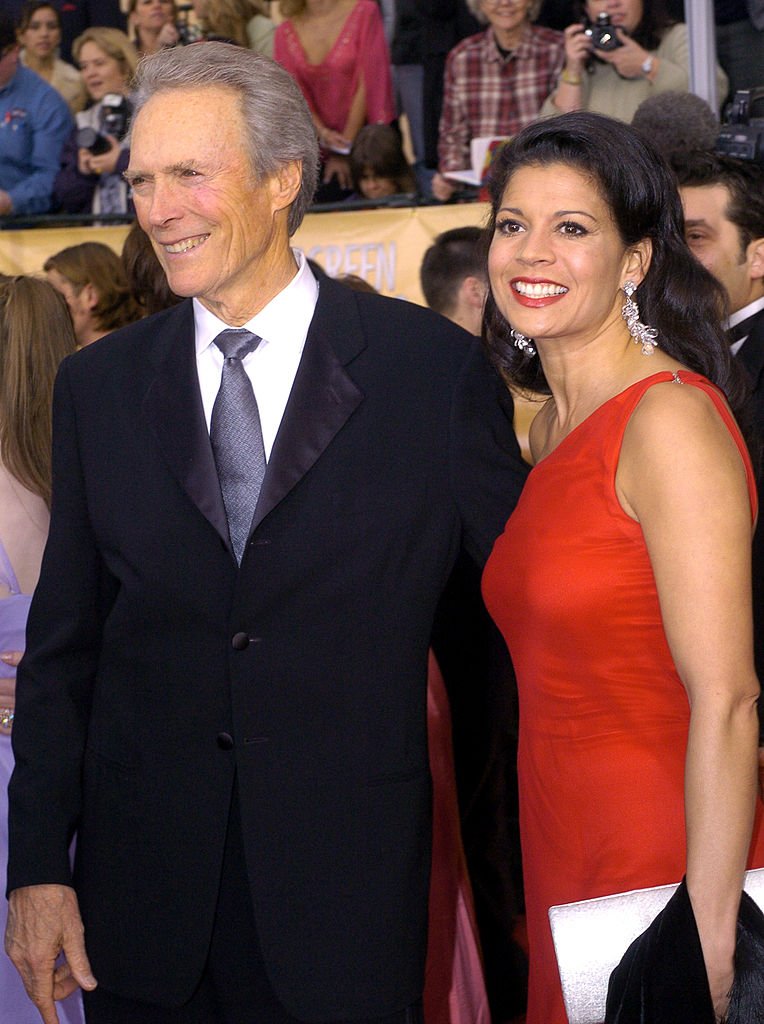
{"x": 278, "y": 123}
{"x": 477, "y": 11}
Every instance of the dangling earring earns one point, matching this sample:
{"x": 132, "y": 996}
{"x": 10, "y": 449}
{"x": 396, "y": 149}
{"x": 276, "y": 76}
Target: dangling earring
{"x": 524, "y": 344}
{"x": 641, "y": 333}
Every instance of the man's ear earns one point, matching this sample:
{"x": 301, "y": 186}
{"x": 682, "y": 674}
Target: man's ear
{"x": 89, "y": 295}
{"x": 473, "y": 289}
{"x": 638, "y": 261}
{"x": 285, "y": 184}
{"x": 755, "y": 255}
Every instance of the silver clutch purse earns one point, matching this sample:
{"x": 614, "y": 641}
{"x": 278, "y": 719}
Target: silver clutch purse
{"x": 591, "y": 936}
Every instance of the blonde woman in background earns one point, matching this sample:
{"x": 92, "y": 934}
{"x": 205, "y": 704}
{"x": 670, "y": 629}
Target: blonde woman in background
{"x": 35, "y": 335}
{"x": 92, "y": 182}
{"x": 39, "y": 33}
{"x": 245, "y": 22}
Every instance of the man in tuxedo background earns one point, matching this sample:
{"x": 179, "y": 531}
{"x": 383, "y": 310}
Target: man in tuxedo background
{"x": 258, "y": 498}
{"x": 723, "y": 200}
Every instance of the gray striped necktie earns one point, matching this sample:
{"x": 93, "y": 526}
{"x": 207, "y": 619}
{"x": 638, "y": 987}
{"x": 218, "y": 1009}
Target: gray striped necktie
{"x": 237, "y": 437}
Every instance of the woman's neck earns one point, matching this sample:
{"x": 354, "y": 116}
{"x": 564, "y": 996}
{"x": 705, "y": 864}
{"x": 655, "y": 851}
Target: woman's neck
{"x": 43, "y": 66}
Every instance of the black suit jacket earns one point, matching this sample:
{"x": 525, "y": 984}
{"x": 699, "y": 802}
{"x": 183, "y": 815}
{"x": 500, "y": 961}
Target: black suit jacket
{"x": 149, "y": 651}
{"x": 751, "y": 355}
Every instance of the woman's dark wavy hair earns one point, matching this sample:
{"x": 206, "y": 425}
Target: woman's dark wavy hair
{"x": 652, "y": 25}
{"x": 678, "y": 296}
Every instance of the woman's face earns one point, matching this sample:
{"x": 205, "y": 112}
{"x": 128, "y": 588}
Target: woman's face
{"x": 152, "y": 14}
{"x": 557, "y": 263}
{"x": 506, "y": 15}
{"x": 101, "y": 73}
{"x": 626, "y": 13}
{"x": 372, "y": 186}
{"x": 43, "y": 33}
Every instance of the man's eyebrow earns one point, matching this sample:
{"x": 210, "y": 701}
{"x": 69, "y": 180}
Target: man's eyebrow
{"x": 177, "y": 168}
{"x": 698, "y": 222}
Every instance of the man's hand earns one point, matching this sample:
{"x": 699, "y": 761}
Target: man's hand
{"x": 6, "y": 203}
{"x": 43, "y": 921}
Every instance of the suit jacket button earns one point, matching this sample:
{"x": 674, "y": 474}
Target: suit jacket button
{"x": 240, "y": 641}
{"x": 225, "y": 741}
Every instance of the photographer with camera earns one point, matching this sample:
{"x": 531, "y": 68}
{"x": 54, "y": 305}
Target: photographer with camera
{"x": 90, "y": 179}
{"x": 618, "y": 54}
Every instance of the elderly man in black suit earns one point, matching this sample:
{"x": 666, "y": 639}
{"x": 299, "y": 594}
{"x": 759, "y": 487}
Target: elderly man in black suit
{"x": 258, "y": 497}
{"x": 723, "y": 201}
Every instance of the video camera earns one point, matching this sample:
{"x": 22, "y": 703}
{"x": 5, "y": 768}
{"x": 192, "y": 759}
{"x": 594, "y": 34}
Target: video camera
{"x": 115, "y": 120}
{"x": 742, "y": 134}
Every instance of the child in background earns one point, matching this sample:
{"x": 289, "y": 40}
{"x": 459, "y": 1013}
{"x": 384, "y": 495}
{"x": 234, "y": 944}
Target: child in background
{"x": 378, "y": 164}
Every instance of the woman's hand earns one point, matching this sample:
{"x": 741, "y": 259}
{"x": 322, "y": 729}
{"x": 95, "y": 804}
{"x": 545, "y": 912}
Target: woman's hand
{"x": 442, "y": 189}
{"x": 84, "y": 157}
{"x": 10, "y": 658}
{"x": 338, "y": 167}
{"x": 334, "y": 141}
{"x": 578, "y": 49}
{"x": 8, "y": 691}
{"x": 106, "y": 163}
{"x": 720, "y": 982}
{"x": 168, "y": 35}
{"x": 761, "y": 772}
{"x": 628, "y": 58}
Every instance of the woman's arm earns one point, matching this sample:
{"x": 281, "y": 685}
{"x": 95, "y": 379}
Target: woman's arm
{"x": 568, "y": 95}
{"x": 682, "y": 477}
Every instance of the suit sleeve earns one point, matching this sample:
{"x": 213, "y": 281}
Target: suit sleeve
{"x": 55, "y": 678}
{"x": 487, "y": 468}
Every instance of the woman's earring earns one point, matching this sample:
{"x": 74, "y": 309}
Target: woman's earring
{"x": 641, "y": 333}
{"x": 524, "y": 344}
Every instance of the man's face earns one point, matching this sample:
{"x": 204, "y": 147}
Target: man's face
{"x": 9, "y": 61}
{"x": 716, "y": 243}
{"x": 217, "y": 232}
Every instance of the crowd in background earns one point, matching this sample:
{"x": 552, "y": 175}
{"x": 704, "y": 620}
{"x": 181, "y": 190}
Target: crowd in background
{"x": 438, "y": 75}
{"x": 397, "y": 91}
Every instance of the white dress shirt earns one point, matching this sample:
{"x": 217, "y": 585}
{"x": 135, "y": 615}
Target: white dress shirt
{"x": 738, "y": 316}
{"x": 283, "y": 325}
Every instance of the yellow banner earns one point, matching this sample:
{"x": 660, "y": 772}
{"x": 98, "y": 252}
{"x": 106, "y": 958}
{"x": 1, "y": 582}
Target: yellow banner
{"x": 383, "y": 246}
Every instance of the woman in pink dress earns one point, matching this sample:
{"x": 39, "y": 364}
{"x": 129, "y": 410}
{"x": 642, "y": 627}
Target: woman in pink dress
{"x": 336, "y": 51}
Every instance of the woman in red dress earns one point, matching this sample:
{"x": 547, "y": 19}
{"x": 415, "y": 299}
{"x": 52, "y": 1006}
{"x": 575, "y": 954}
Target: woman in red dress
{"x": 623, "y": 580}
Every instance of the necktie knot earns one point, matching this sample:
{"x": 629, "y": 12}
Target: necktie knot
{"x": 237, "y": 342}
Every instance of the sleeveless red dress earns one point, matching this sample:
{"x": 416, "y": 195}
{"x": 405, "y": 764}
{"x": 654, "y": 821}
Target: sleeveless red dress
{"x": 603, "y": 714}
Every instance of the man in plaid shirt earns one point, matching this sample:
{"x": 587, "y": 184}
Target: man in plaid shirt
{"x": 495, "y": 81}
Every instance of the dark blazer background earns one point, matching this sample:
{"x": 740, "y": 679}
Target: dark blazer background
{"x": 751, "y": 355}
{"x": 148, "y": 651}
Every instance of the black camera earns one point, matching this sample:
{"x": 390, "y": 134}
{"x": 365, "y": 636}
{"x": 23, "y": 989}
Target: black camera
{"x": 115, "y": 120}
{"x": 742, "y": 134}
{"x": 602, "y": 32}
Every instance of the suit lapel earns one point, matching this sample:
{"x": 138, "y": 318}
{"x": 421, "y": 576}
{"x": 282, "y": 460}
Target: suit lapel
{"x": 751, "y": 352}
{"x": 323, "y": 396}
{"x": 173, "y": 405}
